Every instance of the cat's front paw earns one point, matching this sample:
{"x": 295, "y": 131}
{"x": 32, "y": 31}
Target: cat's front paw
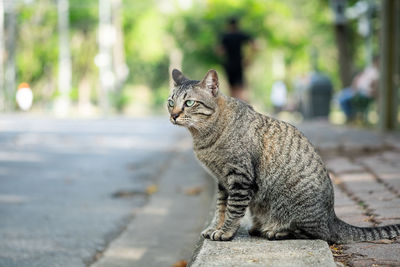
{"x": 219, "y": 235}
{"x": 207, "y": 232}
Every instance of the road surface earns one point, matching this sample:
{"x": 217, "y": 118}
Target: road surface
{"x": 70, "y": 187}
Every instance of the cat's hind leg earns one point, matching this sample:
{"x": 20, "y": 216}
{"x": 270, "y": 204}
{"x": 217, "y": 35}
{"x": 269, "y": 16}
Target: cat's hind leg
{"x": 278, "y": 235}
{"x": 266, "y": 226}
{"x": 255, "y": 229}
{"x": 276, "y": 231}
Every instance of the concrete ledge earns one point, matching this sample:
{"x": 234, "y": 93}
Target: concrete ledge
{"x": 244, "y": 250}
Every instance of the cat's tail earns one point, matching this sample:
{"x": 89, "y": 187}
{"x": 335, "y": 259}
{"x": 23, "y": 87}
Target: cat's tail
{"x": 342, "y": 232}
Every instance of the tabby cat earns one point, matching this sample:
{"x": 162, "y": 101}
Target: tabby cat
{"x": 262, "y": 164}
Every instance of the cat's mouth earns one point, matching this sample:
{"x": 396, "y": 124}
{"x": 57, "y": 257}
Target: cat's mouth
{"x": 175, "y": 121}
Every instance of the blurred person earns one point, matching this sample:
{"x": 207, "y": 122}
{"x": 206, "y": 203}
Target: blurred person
{"x": 24, "y": 96}
{"x": 230, "y": 47}
{"x": 345, "y": 99}
{"x": 362, "y": 92}
{"x": 367, "y": 82}
{"x": 278, "y": 96}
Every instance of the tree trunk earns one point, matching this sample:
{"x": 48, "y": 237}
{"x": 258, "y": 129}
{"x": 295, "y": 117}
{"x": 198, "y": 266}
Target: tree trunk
{"x": 64, "y": 55}
{"x": 9, "y": 82}
{"x": 390, "y": 65}
{"x": 120, "y": 67}
{"x": 106, "y": 40}
{"x": 345, "y": 59}
{"x": 2, "y": 91}
{"x": 175, "y": 62}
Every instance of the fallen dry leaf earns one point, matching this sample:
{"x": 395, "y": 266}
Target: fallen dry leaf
{"x": 181, "y": 263}
{"x": 193, "y": 191}
{"x": 336, "y": 247}
{"x": 151, "y": 189}
{"x": 128, "y": 194}
{"x": 337, "y": 182}
{"x": 370, "y": 218}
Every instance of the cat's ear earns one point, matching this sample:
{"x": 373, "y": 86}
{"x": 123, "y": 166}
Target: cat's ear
{"x": 178, "y": 77}
{"x": 210, "y": 82}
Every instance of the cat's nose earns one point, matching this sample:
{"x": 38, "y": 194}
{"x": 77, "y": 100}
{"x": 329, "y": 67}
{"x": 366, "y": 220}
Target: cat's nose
{"x": 174, "y": 116}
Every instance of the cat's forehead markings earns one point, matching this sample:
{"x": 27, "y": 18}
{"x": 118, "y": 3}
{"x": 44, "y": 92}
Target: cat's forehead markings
{"x": 186, "y": 85}
{"x": 180, "y": 90}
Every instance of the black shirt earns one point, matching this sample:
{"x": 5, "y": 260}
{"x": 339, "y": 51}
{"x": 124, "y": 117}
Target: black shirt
{"x": 232, "y": 43}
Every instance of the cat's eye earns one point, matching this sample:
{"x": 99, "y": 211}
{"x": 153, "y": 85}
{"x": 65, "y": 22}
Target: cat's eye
{"x": 189, "y": 103}
{"x": 171, "y": 103}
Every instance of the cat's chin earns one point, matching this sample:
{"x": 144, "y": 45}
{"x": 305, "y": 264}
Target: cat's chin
{"x": 177, "y": 123}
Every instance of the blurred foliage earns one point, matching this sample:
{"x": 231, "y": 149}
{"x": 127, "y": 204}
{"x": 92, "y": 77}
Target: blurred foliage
{"x": 152, "y": 28}
{"x": 37, "y": 48}
{"x": 290, "y": 27}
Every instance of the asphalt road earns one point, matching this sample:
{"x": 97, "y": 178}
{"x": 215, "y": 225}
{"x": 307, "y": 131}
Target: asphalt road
{"x": 68, "y": 187}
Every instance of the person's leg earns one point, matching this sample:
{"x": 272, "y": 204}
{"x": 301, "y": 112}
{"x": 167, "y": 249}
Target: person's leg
{"x": 235, "y": 77}
{"x": 345, "y": 102}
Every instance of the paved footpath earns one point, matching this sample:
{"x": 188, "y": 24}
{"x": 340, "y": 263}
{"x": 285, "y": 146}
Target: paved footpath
{"x": 365, "y": 169}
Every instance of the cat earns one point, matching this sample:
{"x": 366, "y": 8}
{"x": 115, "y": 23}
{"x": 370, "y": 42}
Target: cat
{"x": 263, "y": 164}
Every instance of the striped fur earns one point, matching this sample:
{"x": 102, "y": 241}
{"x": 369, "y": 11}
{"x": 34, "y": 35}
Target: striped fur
{"x": 262, "y": 164}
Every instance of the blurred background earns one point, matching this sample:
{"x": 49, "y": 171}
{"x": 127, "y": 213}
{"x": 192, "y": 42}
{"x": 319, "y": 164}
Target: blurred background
{"x": 70, "y": 187}
{"x": 104, "y": 57}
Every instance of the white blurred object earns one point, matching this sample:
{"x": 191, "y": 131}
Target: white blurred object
{"x": 24, "y": 97}
{"x": 278, "y": 94}
{"x": 278, "y": 65}
{"x": 61, "y": 107}
{"x": 367, "y": 81}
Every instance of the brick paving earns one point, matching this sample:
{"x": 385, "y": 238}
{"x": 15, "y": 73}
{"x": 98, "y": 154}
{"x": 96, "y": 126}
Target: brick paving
{"x": 365, "y": 170}
{"x": 367, "y": 187}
